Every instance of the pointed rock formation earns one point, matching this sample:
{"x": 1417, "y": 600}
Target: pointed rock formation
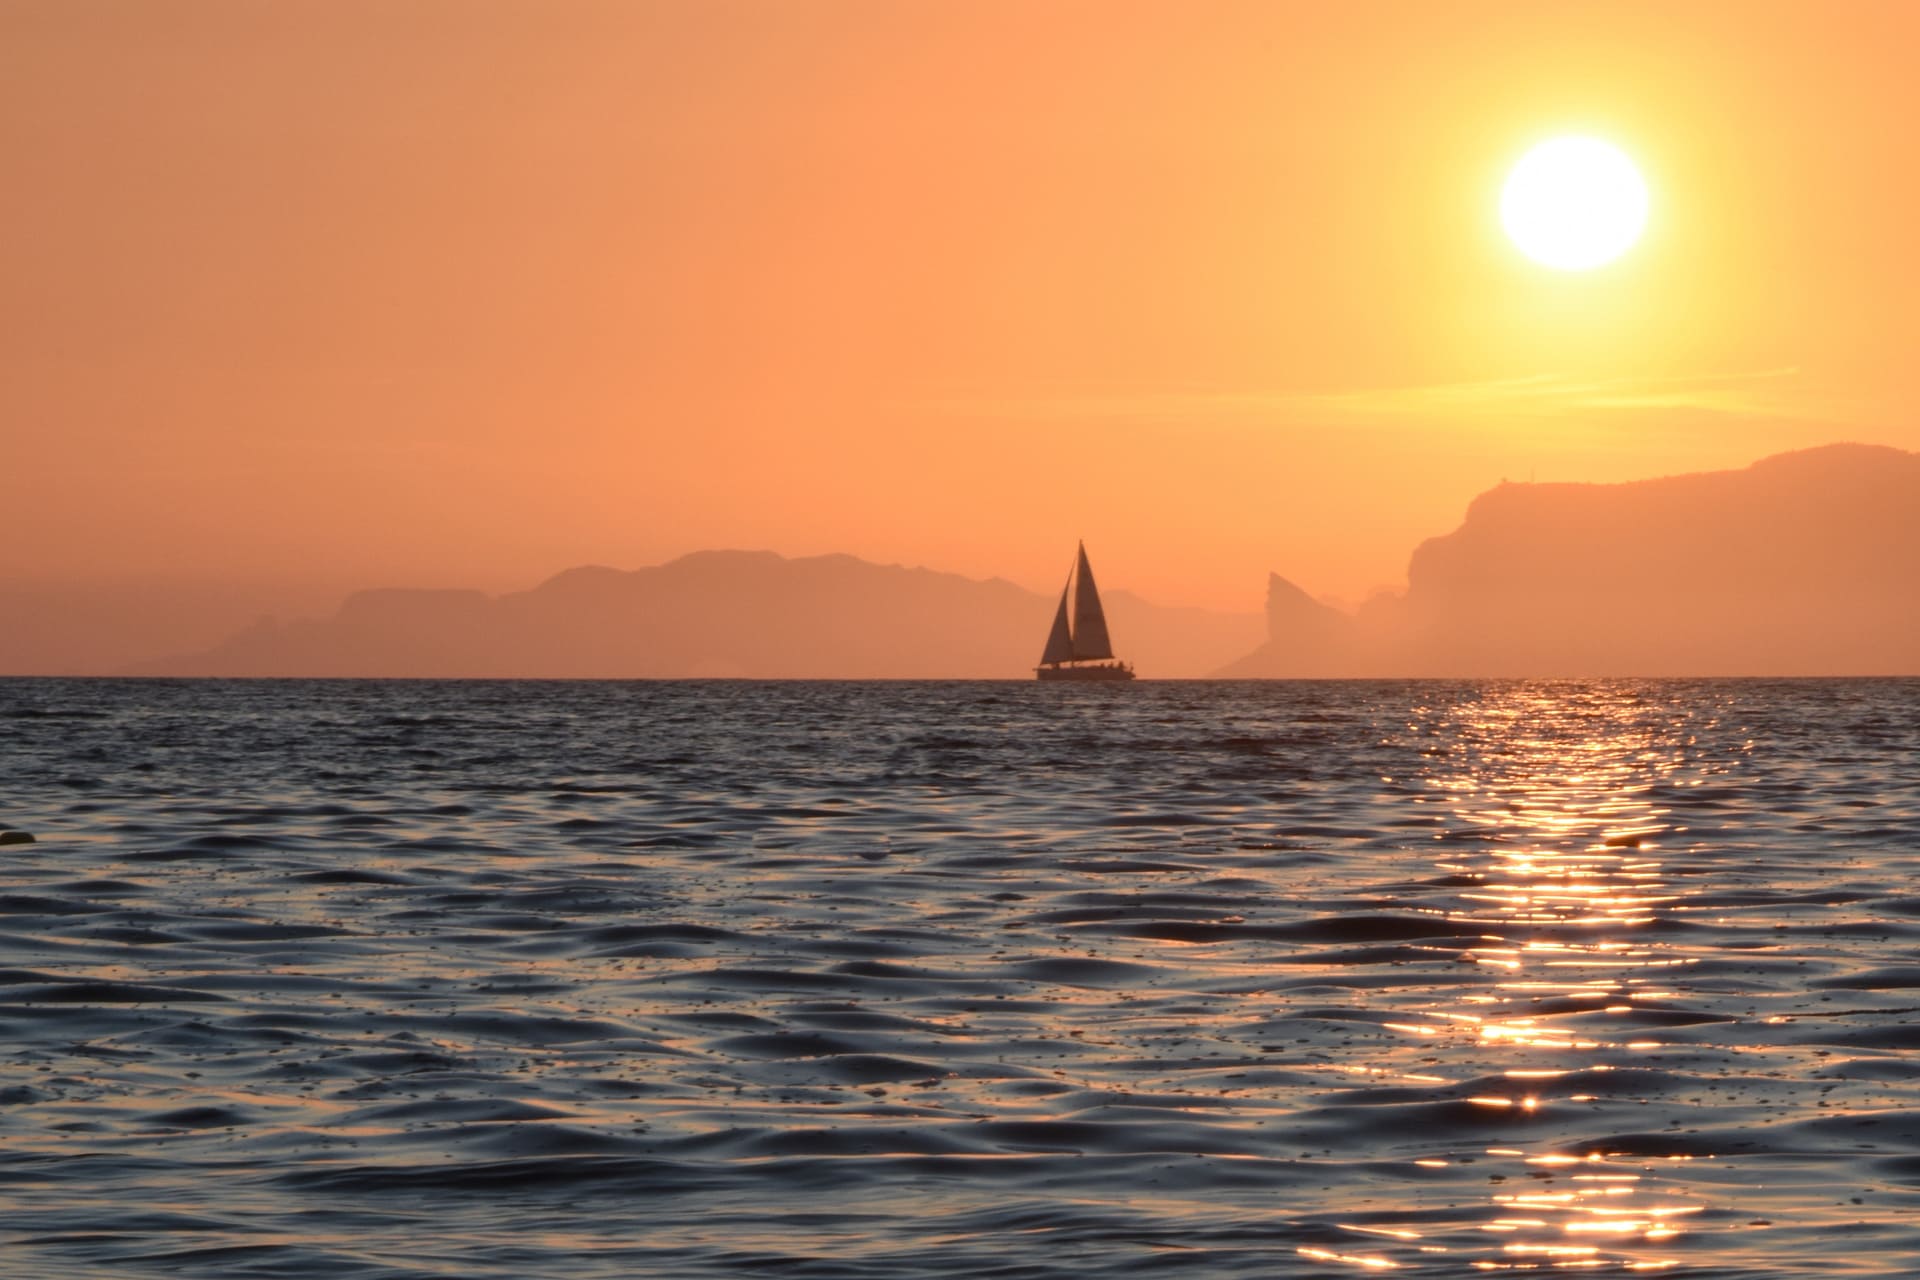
{"x": 1304, "y": 638}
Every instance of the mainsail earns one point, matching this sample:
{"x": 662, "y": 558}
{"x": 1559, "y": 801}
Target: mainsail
{"x": 1080, "y": 626}
{"x": 1089, "y": 619}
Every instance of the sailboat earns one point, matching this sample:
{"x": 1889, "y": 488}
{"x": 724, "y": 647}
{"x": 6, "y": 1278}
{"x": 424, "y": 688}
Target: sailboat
{"x": 1079, "y": 636}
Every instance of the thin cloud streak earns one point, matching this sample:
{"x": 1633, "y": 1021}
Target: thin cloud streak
{"x": 1780, "y": 393}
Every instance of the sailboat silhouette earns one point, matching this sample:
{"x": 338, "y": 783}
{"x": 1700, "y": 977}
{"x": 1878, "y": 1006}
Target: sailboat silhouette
{"x": 1079, "y": 633}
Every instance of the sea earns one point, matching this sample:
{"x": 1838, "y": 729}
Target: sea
{"x": 879, "y": 981}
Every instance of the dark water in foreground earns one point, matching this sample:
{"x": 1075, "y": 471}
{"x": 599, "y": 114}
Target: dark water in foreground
{"x": 942, "y": 980}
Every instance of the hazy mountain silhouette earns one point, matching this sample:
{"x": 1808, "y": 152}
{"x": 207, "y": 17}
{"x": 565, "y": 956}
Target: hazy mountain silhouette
{"x": 715, "y": 613}
{"x": 89, "y": 628}
{"x": 1806, "y": 563}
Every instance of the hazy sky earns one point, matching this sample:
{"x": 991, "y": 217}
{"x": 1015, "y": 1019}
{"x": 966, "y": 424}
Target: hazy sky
{"x": 463, "y": 293}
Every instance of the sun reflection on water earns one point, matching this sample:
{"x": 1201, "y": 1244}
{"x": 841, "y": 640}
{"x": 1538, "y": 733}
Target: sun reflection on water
{"x": 1551, "y": 796}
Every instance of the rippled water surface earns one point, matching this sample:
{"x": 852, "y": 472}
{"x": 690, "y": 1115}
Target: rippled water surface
{"x": 943, "y": 980}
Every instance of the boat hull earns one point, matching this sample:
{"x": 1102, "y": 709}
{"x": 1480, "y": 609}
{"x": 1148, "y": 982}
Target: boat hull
{"x": 1085, "y": 675}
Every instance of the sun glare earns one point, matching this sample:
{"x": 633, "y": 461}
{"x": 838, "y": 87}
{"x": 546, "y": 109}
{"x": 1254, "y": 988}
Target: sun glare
{"x": 1574, "y": 203}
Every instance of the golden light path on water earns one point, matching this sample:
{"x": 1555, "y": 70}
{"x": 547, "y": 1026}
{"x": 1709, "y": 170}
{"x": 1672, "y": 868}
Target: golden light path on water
{"x": 1553, "y": 792}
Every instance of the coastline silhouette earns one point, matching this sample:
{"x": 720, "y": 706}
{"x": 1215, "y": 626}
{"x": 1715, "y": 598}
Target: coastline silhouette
{"x": 1801, "y": 564}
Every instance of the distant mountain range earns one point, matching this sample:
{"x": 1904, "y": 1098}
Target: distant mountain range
{"x": 1803, "y": 564}
{"x": 715, "y": 614}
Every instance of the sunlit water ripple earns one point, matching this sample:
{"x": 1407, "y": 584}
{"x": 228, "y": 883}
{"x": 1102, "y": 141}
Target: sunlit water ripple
{"x": 941, "y": 980}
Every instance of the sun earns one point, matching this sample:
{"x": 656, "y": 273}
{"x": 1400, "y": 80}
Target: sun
{"x": 1574, "y": 203}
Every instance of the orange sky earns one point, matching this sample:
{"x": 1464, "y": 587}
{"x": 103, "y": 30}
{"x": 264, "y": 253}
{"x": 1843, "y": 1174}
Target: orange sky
{"x": 339, "y": 294}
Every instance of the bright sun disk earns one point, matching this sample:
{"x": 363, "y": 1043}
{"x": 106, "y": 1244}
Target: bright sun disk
{"x": 1574, "y": 203}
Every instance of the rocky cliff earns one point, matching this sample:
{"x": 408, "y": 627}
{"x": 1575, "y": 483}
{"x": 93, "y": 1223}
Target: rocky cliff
{"x": 1803, "y": 564}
